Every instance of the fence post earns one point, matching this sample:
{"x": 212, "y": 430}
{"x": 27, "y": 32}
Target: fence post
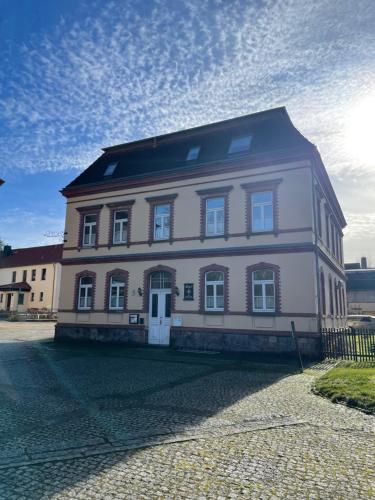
{"x": 296, "y": 344}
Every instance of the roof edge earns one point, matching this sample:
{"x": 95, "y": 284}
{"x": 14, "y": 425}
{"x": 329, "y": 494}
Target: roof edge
{"x": 208, "y": 127}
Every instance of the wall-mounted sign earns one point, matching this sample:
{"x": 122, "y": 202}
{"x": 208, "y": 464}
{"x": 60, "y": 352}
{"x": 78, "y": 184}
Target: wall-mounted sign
{"x": 188, "y": 291}
{"x": 133, "y": 319}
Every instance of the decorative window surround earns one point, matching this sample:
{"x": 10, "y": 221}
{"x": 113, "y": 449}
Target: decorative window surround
{"x": 146, "y": 285}
{"x": 262, "y": 266}
{"x": 153, "y": 201}
{"x": 331, "y": 310}
{"x": 319, "y": 197}
{"x": 90, "y": 210}
{"x": 78, "y": 276}
{"x": 322, "y": 285}
{"x": 205, "y": 194}
{"x": 202, "y": 288}
{"x": 107, "y": 294}
{"x": 256, "y": 187}
{"x": 116, "y": 207}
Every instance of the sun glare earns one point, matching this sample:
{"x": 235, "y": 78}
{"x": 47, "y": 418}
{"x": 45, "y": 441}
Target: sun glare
{"x": 360, "y": 137}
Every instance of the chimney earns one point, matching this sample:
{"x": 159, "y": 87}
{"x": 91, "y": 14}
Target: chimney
{"x": 363, "y": 263}
{"x": 7, "y": 250}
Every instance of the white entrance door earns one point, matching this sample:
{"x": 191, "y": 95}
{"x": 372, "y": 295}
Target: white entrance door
{"x": 160, "y": 317}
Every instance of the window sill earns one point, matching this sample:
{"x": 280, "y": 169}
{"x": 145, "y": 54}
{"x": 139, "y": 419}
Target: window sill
{"x": 115, "y": 311}
{"x": 259, "y": 233}
{"x": 258, "y": 313}
{"x": 83, "y": 310}
{"x": 214, "y": 313}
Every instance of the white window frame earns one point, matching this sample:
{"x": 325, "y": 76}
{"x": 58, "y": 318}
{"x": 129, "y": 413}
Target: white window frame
{"x": 117, "y": 286}
{"x": 161, "y": 219}
{"x": 124, "y": 226}
{"x": 215, "y": 212}
{"x": 90, "y": 225}
{"x": 84, "y": 296}
{"x": 262, "y": 206}
{"x": 215, "y": 284}
{"x": 263, "y": 284}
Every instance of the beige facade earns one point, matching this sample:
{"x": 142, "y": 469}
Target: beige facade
{"x": 295, "y": 249}
{"x": 29, "y": 286}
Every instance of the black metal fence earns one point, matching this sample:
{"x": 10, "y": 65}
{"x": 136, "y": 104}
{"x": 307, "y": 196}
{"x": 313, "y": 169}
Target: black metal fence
{"x": 355, "y": 345}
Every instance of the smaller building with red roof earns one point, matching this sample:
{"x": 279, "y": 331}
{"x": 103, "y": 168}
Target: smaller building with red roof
{"x": 30, "y": 278}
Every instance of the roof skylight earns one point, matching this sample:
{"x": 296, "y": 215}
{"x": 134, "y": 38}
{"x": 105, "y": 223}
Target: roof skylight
{"x": 193, "y": 153}
{"x": 240, "y": 143}
{"x": 111, "y": 167}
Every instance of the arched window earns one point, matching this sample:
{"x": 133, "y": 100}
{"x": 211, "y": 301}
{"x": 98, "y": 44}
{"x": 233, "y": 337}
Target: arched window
{"x": 214, "y": 291}
{"x": 323, "y": 292}
{"x": 330, "y": 295}
{"x": 117, "y": 293}
{"x": 85, "y": 292}
{"x": 263, "y": 290}
{"x": 160, "y": 280}
{"x": 336, "y": 298}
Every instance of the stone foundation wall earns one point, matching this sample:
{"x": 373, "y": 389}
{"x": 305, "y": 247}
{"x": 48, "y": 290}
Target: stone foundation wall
{"x": 214, "y": 340}
{"x": 272, "y": 342}
{"x": 111, "y": 334}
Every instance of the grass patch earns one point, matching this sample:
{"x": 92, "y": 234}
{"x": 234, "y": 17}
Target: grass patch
{"x": 350, "y": 383}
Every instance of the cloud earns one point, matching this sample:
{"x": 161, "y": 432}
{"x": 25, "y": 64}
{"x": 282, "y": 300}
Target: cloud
{"x": 37, "y": 228}
{"x": 124, "y": 74}
{"x": 134, "y": 69}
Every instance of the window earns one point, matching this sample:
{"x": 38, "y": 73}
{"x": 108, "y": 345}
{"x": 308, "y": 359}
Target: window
{"x": 215, "y": 216}
{"x": 1, "y": 297}
{"x": 21, "y": 298}
{"x": 14, "y": 276}
{"x": 263, "y": 291}
{"x": 85, "y": 292}
{"x": 331, "y": 311}
{"x": 333, "y": 240}
{"x": 327, "y": 230}
{"x": 41, "y": 297}
{"x": 111, "y": 167}
{"x": 44, "y": 274}
{"x": 214, "y": 297}
{"x": 161, "y": 280}
{"x": 323, "y": 292}
{"x": 240, "y": 144}
{"x": 193, "y": 153}
{"x": 336, "y": 297}
{"x": 319, "y": 216}
{"x": 24, "y": 276}
{"x": 120, "y": 227}
{"x": 32, "y": 296}
{"x": 262, "y": 211}
{"x": 117, "y": 293}
{"x": 162, "y": 220}
{"x": 89, "y": 230}
{"x": 33, "y": 275}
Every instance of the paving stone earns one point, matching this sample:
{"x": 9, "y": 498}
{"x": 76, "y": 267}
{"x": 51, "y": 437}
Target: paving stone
{"x": 101, "y": 422}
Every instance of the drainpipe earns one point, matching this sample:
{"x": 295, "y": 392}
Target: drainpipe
{"x": 316, "y": 246}
{"x": 53, "y": 286}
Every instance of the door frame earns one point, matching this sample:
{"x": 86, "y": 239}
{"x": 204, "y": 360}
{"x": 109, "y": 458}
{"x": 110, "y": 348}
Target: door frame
{"x": 160, "y": 292}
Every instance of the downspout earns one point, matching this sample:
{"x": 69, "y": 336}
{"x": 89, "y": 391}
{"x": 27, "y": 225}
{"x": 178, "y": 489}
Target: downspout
{"x": 316, "y": 248}
{"x": 53, "y": 286}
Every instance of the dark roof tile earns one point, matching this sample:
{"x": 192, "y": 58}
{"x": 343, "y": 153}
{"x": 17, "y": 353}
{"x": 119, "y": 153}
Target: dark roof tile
{"x": 32, "y": 256}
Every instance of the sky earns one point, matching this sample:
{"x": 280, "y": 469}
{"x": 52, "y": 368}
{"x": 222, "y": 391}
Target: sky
{"x": 76, "y": 76}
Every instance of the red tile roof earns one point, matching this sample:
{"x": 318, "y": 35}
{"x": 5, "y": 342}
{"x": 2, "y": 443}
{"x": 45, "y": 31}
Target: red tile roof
{"x": 32, "y": 256}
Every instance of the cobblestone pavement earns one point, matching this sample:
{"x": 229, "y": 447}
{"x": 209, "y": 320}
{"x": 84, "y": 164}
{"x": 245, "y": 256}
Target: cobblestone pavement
{"x": 112, "y": 422}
